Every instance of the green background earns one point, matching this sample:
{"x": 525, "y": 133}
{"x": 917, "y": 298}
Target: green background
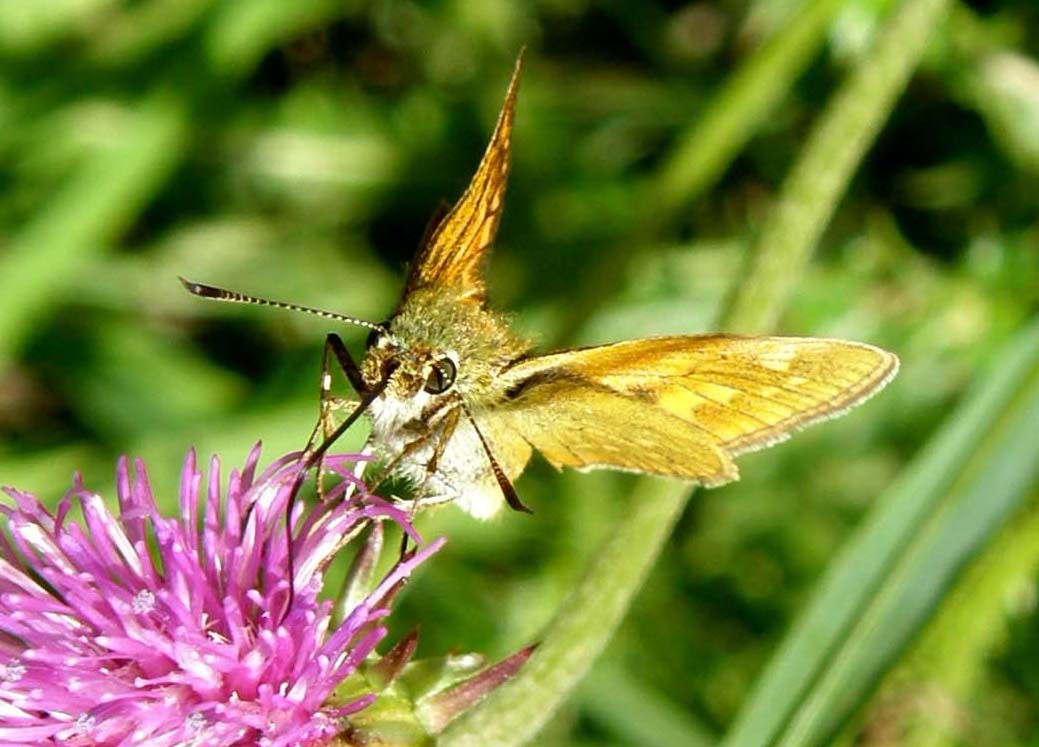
{"x": 296, "y": 151}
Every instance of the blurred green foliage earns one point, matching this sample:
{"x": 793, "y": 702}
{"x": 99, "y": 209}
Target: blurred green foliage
{"x": 296, "y": 150}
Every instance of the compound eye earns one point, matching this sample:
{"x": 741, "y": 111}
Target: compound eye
{"x": 441, "y": 376}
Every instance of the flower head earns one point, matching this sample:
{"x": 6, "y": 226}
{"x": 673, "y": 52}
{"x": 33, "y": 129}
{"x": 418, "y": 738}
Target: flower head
{"x": 142, "y": 629}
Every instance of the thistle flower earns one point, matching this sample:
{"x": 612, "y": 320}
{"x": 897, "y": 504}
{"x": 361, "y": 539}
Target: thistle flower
{"x": 141, "y": 629}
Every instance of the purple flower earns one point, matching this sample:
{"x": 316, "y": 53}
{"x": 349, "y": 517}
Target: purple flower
{"x": 143, "y": 629}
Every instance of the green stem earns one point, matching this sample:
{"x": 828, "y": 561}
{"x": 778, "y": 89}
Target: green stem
{"x": 706, "y": 147}
{"x": 587, "y": 619}
{"x": 835, "y": 148}
{"x": 515, "y": 713}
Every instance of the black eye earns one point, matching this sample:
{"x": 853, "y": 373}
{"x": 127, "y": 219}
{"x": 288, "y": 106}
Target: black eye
{"x": 441, "y": 377}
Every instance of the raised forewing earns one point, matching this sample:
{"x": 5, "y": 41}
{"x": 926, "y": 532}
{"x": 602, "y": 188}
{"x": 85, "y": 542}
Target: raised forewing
{"x": 453, "y": 255}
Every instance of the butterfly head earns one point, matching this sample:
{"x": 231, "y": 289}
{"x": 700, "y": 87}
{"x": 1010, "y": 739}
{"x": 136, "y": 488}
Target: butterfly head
{"x": 439, "y": 345}
{"x": 412, "y": 369}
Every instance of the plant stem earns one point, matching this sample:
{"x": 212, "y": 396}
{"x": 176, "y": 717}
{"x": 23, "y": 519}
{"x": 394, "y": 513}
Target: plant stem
{"x": 816, "y": 183}
{"x": 587, "y": 619}
{"x": 514, "y": 713}
{"x": 706, "y": 146}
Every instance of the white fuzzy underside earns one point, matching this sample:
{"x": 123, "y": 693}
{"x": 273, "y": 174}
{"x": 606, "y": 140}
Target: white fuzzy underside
{"x": 463, "y": 474}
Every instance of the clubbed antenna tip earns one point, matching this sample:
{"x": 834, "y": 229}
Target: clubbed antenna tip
{"x": 204, "y": 291}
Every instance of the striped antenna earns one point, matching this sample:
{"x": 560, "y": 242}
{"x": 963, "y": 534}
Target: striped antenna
{"x": 222, "y": 294}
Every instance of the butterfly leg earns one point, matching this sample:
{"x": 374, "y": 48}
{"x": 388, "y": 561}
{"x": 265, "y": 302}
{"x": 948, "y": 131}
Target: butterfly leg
{"x": 330, "y": 405}
{"x": 387, "y": 470}
{"x": 507, "y": 490}
{"x": 346, "y": 362}
{"x": 447, "y": 429}
{"x": 442, "y": 433}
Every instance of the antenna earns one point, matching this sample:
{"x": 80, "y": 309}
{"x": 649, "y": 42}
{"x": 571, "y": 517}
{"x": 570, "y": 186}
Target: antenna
{"x": 229, "y": 296}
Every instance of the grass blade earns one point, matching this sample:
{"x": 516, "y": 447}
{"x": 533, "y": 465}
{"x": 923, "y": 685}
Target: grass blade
{"x": 948, "y": 667}
{"x": 95, "y": 205}
{"x": 706, "y": 148}
{"x": 882, "y": 589}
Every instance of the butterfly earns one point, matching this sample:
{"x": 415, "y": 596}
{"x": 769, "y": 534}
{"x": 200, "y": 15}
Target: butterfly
{"x": 458, "y": 402}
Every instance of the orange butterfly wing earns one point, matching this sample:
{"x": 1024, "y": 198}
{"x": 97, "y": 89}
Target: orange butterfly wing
{"x": 453, "y": 254}
{"x": 684, "y": 406}
{"x": 590, "y": 428}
